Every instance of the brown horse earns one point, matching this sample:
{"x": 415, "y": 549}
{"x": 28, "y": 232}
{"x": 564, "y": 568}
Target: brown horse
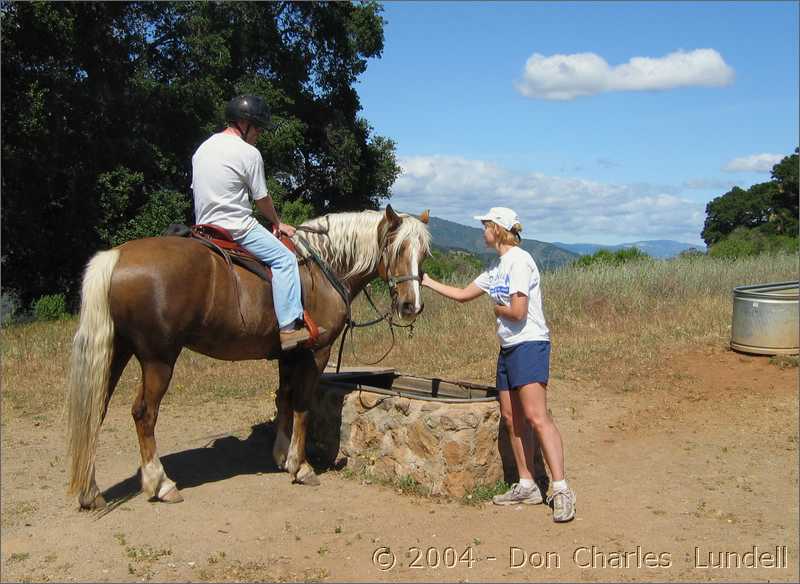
{"x": 153, "y": 297}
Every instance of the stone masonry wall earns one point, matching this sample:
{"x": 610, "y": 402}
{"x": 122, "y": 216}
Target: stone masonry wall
{"x": 449, "y": 448}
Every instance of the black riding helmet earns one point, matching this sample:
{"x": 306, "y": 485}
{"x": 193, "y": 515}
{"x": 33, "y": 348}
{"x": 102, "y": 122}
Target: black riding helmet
{"x": 248, "y": 108}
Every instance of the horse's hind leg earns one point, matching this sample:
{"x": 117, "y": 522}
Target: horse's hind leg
{"x": 155, "y": 381}
{"x": 91, "y": 497}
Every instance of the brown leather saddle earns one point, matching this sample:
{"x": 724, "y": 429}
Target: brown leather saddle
{"x": 220, "y": 240}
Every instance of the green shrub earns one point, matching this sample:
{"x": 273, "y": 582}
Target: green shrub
{"x": 692, "y": 254}
{"x": 50, "y": 307}
{"x": 744, "y": 242}
{"x": 617, "y": 258}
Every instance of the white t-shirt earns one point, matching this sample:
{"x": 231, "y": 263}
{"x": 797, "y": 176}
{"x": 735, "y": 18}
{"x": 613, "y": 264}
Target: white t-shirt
{"x": 515, "y": 271}
{"x": 226, "y": 173}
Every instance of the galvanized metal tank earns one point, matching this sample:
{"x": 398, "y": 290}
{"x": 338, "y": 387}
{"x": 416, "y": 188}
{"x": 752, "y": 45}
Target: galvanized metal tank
{"x": 765, "y": 319}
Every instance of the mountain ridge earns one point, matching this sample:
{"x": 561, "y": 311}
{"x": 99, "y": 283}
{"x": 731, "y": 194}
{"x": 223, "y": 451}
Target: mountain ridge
{"x": 448, "y": 235}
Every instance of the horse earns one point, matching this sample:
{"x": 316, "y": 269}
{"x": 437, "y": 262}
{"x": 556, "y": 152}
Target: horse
{"x": 152, "y": 297}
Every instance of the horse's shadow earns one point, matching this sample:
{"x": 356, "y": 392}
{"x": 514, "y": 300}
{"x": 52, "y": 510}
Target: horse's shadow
{"x": 220, "y": 459}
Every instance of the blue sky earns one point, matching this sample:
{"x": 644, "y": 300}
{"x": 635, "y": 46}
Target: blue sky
{"x": 602, "y": 122}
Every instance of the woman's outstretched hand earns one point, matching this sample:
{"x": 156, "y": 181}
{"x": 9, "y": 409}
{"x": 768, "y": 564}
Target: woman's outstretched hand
{"x": 426, "y": 280}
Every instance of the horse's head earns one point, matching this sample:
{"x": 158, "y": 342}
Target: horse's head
{"x": 405, "y": 241}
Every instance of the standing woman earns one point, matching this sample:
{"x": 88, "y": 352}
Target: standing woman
{"x": 523, "y": 365}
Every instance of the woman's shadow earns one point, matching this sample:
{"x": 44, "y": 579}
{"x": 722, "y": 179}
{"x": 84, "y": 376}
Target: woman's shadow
{"x": 220, "y": 459}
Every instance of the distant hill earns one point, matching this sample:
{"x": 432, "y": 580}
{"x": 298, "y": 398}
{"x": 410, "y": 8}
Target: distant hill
{"x": 448, "y": 235}
{"x": 658, "y": 248}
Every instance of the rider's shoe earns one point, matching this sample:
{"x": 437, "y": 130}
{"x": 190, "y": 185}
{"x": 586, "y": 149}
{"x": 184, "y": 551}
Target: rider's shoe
{"x": 293, "y": 339}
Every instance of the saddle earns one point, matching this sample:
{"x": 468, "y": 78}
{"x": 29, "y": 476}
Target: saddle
{"x": 219, "y": 240}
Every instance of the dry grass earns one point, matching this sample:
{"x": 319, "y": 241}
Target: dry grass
{"x": 606, "y": 323}
{"x": 628, "y": 318}
{"x": 35, "y": 362}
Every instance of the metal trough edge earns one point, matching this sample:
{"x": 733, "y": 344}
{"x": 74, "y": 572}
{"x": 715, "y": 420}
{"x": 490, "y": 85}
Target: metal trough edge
{"x": 346, "y": 386}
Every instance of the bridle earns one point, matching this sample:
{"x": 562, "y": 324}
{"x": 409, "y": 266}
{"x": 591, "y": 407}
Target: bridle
{"x": 388, "y": 316}
{"x": 393, "y": 281}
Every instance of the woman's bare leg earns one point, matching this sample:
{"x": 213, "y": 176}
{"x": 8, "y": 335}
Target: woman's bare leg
{"x": 531, "y": 399}
{"x": 517, "y": 446}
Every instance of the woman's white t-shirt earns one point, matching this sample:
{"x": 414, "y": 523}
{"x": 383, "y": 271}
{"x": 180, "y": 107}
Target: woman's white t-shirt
{"x": 515, "y": 271}
{"x": 226, "y": 173}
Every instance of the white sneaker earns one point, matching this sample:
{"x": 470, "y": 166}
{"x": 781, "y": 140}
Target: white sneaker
{"x": 563, "y": 505}
{"x": 518, "y": 494}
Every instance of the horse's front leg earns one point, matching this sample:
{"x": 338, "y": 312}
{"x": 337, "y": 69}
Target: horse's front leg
{"x": 308, "y": 367}
{"x": 283, "y": 401}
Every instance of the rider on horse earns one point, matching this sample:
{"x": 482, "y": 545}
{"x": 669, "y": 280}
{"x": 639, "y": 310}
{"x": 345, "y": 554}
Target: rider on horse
{"x": 228, "y": 171}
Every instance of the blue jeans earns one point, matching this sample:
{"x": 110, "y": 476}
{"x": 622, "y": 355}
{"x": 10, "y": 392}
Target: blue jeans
{"x": 285, "y": 275}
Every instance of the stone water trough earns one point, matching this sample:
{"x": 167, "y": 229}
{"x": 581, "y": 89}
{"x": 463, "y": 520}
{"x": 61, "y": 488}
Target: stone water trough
{"x": 445, "y": 435}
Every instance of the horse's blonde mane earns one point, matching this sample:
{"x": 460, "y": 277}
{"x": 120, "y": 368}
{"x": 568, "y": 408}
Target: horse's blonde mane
{"x": 349, "y": 241}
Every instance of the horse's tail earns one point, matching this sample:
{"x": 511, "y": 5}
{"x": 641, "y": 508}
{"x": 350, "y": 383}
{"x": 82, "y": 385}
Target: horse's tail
{"x": 92, "y": 350}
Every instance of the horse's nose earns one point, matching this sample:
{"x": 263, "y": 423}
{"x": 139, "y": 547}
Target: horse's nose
{"x": 408, "y": 308}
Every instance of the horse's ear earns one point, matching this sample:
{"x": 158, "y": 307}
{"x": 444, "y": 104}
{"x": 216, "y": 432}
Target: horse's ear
{"x": 425, "y": 217}
{"x": 392, "y": 217}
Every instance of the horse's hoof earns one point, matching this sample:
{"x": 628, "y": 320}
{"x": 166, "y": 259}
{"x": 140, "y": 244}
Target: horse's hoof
{"x": 292, "y": 467}
{"x": 172, "y": 496}
{"x": 97, "y": 503}
{"x": 307, "y": 476}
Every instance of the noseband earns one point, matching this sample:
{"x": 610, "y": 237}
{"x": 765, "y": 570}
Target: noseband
{"x": 393, "y": 281}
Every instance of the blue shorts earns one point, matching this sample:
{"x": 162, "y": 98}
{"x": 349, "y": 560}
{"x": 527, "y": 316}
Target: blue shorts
{"x": 521, "y": 364}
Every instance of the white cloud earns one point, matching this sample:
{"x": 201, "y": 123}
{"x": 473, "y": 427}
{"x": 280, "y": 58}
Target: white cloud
{"x": 564, "y": 77}
{"x": 552, "y": 208}
{"x": 753, "y": 163}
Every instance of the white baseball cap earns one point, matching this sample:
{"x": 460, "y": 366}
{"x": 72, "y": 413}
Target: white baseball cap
{"x": 503, "y": 216}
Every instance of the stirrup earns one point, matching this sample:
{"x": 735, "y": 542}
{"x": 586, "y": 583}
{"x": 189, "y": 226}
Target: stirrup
{"x": 308, "y": 342}
{"x": 313, "y": 330}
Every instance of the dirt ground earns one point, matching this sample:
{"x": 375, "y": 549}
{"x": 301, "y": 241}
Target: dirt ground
{"x": 689, "y": 471}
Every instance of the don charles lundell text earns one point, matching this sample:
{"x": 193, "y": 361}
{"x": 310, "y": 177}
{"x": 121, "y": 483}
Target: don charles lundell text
{"x": 754, "y": 557}
{"x": 591, "y": 557}
{"x": 594, "y": 557}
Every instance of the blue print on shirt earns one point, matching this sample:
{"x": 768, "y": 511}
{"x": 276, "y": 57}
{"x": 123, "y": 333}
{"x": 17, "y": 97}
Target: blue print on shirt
{"x": 499, "y": 290}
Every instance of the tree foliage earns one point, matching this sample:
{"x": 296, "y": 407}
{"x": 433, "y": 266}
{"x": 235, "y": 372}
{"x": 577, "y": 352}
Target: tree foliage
{"x": 105, "y": 102}
{"x": 770, "y": 207}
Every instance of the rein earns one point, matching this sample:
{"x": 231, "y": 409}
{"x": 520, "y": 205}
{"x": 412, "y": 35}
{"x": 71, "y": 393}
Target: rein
{"x": 350, "y": 324}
